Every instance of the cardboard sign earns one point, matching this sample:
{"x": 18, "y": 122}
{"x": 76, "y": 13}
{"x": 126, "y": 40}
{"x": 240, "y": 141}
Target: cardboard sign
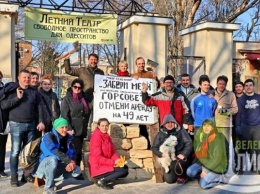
{"x": 119, "y": 99}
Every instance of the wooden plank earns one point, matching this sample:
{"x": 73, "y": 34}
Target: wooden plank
{"x": 157, "y": 167}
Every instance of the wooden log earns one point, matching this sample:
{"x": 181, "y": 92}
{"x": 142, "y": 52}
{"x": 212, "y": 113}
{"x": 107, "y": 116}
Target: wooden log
{"x": 157, "y": 167}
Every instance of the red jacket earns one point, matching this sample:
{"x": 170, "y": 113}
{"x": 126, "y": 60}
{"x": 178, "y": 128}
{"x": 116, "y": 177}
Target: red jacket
{"x": 177, "y": 106}
{"x": 102, "y": 155}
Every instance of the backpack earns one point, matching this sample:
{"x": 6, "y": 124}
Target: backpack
{"x": 29, "y": 156}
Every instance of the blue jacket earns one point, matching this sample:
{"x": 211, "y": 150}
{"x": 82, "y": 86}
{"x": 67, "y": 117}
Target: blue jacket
{"x": 50, "y": 146}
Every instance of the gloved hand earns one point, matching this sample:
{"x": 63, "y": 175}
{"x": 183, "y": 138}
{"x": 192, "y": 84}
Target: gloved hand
{"x": 121, "y": 163}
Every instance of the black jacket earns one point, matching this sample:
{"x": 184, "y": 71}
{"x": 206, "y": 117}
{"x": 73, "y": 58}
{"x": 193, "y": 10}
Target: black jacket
{"x": 9, "y": 87}
{"x": 74, "y": 114}
{"x": 23, "y": 110}
{"x": 51, "y": 108}
{"x": 183, "y": 147}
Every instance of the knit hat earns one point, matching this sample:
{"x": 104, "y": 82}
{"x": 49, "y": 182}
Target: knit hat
{"x": 168, "y": 77}
{"x": 168, "y": 118}
{"x": 60, "y": 122}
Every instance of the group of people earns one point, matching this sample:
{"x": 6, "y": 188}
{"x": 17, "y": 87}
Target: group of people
{"x": 212, "y": 118}
{"x": 200, "y": 118}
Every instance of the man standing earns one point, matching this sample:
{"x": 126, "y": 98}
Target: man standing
{"x": 187, "y": 88}
{"x": 248, "y": 120}
{"x": 239, "y": 89}
{"x": 142, "y": 73}
{"x": 169, "y": 101}
{"x": 190, "y": 92}
{"x": 86, "y": 74}
{"x": 227, "y": 106}
{"x": 34, "y": 80}
{"x": 22, "y": 105}
{"x": 202, "y": 106}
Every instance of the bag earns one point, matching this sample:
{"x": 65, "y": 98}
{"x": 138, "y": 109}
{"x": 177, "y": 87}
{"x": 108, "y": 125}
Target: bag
{"x": 30, "y": 154}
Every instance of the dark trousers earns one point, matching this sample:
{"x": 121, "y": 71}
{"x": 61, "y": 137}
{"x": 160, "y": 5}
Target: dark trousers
{"x": 177, "y": 170}
{"x": 117, "y": 173}
{"x": 77, "y": 143}
{"x": 251, "y": 134}
{"x": 3, "y": 140}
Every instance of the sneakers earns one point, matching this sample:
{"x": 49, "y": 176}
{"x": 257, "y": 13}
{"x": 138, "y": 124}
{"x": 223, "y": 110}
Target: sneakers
{"x": 182, "y": 180}
{"x": 102, "y": 183}
{"x": 14, "y": 180}
{"x": 3, "y": 174}
{"x": 49, "y": 191}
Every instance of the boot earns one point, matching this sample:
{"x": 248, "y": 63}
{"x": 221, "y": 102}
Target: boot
{"x": 27, "y": 179}
{"x": 14, "y": 180}
{"x": 102, "y": 183}
{"x": 240, "y": 169}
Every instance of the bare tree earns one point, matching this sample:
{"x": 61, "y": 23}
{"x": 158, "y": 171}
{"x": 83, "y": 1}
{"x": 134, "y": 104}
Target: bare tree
{"x": 187, "y": 13}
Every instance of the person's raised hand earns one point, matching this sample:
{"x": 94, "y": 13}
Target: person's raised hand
{"x": 144, "y": 87}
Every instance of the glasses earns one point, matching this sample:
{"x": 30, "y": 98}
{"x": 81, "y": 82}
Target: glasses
{"x": 77, "y": 87}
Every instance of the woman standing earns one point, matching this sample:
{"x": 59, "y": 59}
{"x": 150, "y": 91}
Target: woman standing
{"x": 183, "y": 149}
{"x": 123, "y": 69}
{"x": 75, "y": 109}
{"x": 103, "y": 160}
{"x": 49, "y": 102}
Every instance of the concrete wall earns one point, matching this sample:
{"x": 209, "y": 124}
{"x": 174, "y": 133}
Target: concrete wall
{"x": 8, "y": 14}
{"x": 214, "y": 41}
{"x": 145, "y": 37}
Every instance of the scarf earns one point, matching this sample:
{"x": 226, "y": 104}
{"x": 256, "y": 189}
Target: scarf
{"x": 122, "y": 74}
{"x": 203, "y": 152}
{"x": 78, "y": 98}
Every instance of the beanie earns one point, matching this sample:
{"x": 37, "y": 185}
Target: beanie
{"x": 168, "y": 118}
{"x": 169, "y": 77}
{"x": 60, "y": 122}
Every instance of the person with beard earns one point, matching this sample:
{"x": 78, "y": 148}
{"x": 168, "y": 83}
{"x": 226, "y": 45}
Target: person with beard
{"x": 50, "y": 103}
{"x": 75, "y": 109}
{"x": 86, "y": 74}
{"x": 239, "y": 89}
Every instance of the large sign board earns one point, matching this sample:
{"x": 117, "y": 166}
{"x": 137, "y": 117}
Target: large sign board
{"x": 50, "y": 25}
{"x": 119, "y": 99}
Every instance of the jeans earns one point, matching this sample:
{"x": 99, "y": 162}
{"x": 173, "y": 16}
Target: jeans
{"x": 208, "y": 181}
{"x": 21, "y": 134}
{"x": 52, "y": 170}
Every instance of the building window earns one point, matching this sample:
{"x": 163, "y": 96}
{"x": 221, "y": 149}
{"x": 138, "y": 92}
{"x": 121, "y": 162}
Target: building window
{"x": 21, "y": 51}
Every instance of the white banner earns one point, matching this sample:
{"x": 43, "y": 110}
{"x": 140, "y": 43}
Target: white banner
{"x": 119, "y": 99}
